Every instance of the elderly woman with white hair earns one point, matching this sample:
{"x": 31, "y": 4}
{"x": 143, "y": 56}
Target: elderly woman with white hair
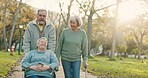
{"x": 72, "y": 45}
{"x": 38, "y": 62}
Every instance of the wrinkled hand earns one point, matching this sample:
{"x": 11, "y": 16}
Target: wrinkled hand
{"x": 85, "y": 65}
{"x": 34, "y": 68}
{"x": 43, "y": 68}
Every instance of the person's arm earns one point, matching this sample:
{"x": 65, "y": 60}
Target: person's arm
{"x": 25, "y": 61}
{"x": 52, "y": 38}
{"x": 27, "y": 40}
{"x": 85, "y": 49}
{"x": 53, "y": 62}
{"x": 59, "y": 45}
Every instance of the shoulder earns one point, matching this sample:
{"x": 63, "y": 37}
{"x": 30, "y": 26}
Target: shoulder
{"x": 30, "y": 53}
{"x": 30, "y": 24}
{"x": 49, "y": 52}
{"x": 50, "y": 24}
{"x": 82, "y": 30}
{"x": 50, "y": 27}
{"x": 66, "y": 30}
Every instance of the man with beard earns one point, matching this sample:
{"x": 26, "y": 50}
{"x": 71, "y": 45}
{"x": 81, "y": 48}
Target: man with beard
{"x": 38, "y": 28}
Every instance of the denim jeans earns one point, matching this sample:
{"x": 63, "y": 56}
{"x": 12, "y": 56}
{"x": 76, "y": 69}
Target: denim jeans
{"x": 37, "y": 77}
{"x": 71, "y": 69}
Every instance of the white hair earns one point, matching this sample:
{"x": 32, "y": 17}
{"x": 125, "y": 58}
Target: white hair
{"x": 42, "y": 38}
{"x": 78, "y": 20}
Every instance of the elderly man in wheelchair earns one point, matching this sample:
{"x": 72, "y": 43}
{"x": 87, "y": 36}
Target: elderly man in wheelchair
{"x": 40, "y": 63}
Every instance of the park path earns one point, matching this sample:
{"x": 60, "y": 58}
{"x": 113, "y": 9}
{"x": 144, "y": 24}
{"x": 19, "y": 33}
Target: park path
{"x": 59, "y": 74}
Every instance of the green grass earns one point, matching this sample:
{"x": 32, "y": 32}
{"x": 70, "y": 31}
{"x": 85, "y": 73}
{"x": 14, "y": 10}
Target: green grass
{"x": 6, "y": 62}
{"x": 126, "y": 68}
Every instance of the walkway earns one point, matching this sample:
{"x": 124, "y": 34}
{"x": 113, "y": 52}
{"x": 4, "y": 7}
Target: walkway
{"x": 59, "y": 74}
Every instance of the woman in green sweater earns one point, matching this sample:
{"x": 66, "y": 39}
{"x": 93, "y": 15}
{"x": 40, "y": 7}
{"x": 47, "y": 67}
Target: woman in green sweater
{"x": 72, "y": 45}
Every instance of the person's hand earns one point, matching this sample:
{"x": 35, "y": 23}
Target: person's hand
{"x": 34, "y": 68}
{"x": 85, "y": 65}
{"x": 43, "y": 68}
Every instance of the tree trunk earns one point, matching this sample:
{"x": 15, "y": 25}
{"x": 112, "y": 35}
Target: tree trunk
{"x": 13, "y": 23}
{"x": 140, "y": 46}
{"x": 114, "y": 32}
{"x": 89, "y": 27}
{"x": 89, "y": 33}
{"x": 4, "y": 26}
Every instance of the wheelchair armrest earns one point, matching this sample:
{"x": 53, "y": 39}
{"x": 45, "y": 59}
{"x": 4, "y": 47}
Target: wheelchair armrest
{"x": 53, "y": 70}
{"x": 23, "y": 69}
{"x": 56, "y": 69}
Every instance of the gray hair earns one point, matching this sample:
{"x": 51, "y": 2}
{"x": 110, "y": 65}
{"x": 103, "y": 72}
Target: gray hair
{"x": 41, "y": 10}
{"x": 78, "y": 20}
{"x": 42, "y": 38}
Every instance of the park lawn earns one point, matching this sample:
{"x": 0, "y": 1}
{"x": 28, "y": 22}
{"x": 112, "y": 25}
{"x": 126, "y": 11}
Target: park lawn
{"x": 6, "y": 62}
{"x": 126, "y": 68}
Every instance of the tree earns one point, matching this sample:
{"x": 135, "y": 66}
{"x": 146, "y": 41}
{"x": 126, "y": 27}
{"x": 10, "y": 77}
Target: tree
{"x": 26, "y": 14}
{"x": 121, "y": 48}
{"x": 86, "y": 8}
{"x": 14, "y": 23}
{"x": 4, "y": 25}
{"x": 139, "y": 32}
{"x": 114, "y": 32}
{"x": 89, "y": 7}
{"x": 64, "y": 17}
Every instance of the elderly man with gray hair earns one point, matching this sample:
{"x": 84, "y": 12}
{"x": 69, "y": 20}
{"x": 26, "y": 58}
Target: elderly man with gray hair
{"x": 38, "y": 28}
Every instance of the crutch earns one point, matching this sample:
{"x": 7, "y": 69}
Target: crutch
{"x": 85, "y": 72}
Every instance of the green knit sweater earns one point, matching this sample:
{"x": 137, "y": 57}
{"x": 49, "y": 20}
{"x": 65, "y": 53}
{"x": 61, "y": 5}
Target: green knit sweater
{"x": 72, "y": 45}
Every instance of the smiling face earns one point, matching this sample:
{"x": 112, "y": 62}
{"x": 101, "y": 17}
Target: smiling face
{"x": 42, "y": 44}
{"x": 41, "y": 17}
{"x": 73, "y": 25}
{"x": 75, "y": 22}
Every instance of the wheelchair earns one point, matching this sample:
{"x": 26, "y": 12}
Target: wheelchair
{"x": 52, "y": 72}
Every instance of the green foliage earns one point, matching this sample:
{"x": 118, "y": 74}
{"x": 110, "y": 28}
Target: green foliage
{"x": 126, "y": 68}
{"x": 101, "y": 33}
{"x": 6, "y": 62}
{"x": 121, "y": 48}
{"x": 25, "y": 15}
{"x": 134, "y": 51}
{"x": 131, "y": 45}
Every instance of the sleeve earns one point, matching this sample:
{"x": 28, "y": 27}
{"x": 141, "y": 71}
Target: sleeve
{"x": 52, "y": 39}
{"x": 60, "y": 45}
{"x": 25, "y": 63}
{"x": 27, "y": 40}
{"x": 54, "y": 61}
{"x": 85, "y": 48}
